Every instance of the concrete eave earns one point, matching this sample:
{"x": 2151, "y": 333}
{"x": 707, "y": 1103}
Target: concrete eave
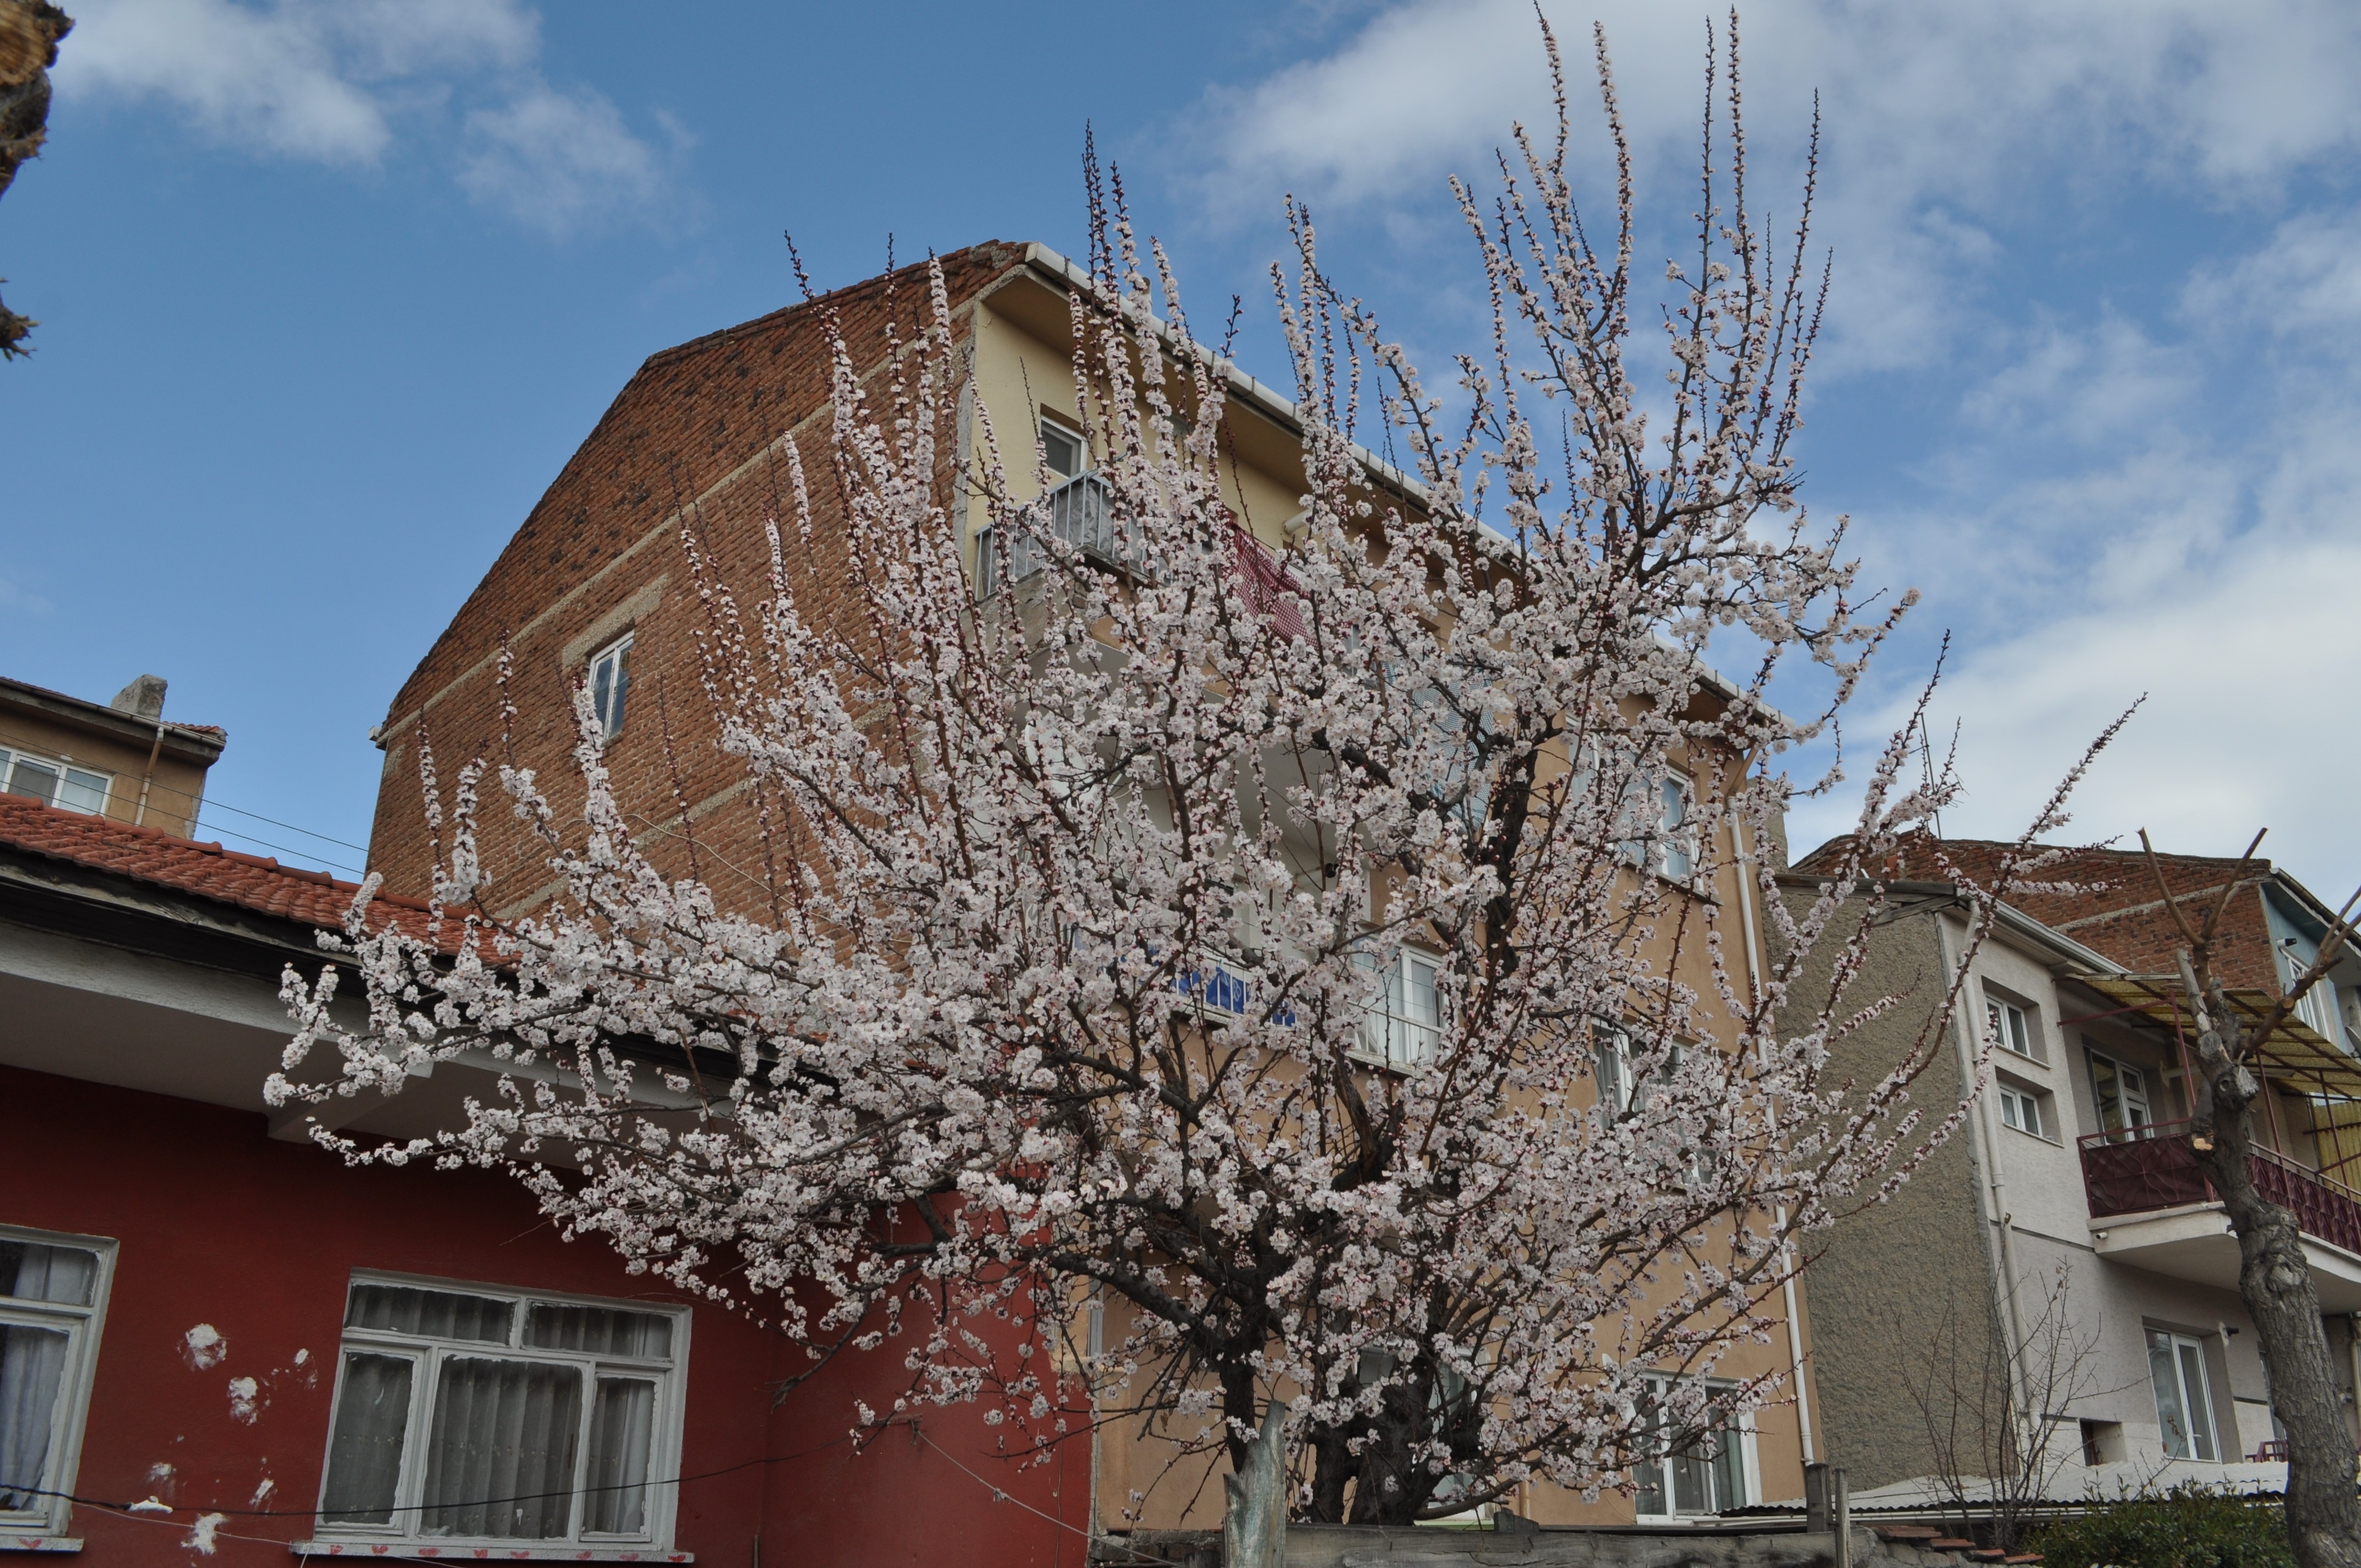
{"x": 2193, "y": 1243}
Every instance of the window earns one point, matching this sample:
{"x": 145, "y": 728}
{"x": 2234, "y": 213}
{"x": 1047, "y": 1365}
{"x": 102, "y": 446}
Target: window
{"x": 2021, "y": 1107}
{"x": 2184, "y": 1404}
{"x": 1612, "y": 1068}
{"x": 1707, "y": 1475}
{"x": 1403, "y": 1026}
{"x": 1673, "y": 857}
{"x": 1062, "y": 449}
{"x": 1618, "y": 1078}
{"x": 475, "y": 1415}
{"x": 1657, "y": 816}
{"x": 2317, "y": 1006}
{"x": 53, "y": 783}
{"x": 2010, "y": 1024}
{"x": 610, "y": 683}
{"x": 52, "y": 1297}
{"x": 2120, "y": 1092}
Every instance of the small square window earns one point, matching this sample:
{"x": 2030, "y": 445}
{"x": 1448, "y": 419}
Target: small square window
{"x": 610, "y": 683}
{"x": 52, "y": 1296}
{"x": 2021, "y": 1108}
{"x": 2010, "y": 1024}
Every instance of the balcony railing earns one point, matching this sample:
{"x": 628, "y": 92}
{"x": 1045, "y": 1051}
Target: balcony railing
{"x": 1079, "y": 516}
{"x": 2153, "y": 1167}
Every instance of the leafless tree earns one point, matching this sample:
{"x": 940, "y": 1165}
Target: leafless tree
{"x": 2323, "y": 1512}
{"x": 1996, "y": 1416}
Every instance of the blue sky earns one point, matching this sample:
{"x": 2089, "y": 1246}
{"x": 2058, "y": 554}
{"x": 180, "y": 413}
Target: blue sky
{"x": 328, "y": 293}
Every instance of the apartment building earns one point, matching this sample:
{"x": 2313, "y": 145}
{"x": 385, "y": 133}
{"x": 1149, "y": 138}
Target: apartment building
{"x": 2060, "y": 1264}
{"x": 595, "y": 593}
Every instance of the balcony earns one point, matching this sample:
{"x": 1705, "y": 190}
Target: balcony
{"x": 1077, "y": 515}
{"x": 2151, "y": 1206}
{"x": 1080, "y": 514}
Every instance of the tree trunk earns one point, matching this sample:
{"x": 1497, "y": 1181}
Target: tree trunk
{"x": 2324, "y": 1514}
{"x": 1254, "y": 1528}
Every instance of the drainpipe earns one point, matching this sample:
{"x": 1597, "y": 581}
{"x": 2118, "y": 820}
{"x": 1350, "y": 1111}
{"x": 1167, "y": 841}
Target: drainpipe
{"x": 148, "y": 778}
{"x": 1995, "y": 1193}
{"x": 1787, "y": 1285}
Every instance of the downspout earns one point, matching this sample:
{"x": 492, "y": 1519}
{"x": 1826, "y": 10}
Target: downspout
{"x": 1787, "y": 1285}
{"x": 147, "y": 779}
{"x": 1995, "y": 1194}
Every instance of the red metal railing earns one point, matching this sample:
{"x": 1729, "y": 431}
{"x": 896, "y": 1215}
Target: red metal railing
{"x": 2153, "y": 1167}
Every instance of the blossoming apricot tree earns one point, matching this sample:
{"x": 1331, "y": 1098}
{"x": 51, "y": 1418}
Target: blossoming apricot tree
{"x": 1311, "y": 995}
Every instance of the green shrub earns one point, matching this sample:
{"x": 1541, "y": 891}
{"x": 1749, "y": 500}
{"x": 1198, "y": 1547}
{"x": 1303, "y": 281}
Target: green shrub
{"x": 2189, "y": 1527}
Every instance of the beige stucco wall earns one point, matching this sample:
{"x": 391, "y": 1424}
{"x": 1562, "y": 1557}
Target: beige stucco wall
{"x": 174, "y": 794}
{"x": 1023, "y": 366}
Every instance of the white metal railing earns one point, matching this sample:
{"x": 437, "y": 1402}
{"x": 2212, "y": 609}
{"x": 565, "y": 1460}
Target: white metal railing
{"x": 1079, "y": 516}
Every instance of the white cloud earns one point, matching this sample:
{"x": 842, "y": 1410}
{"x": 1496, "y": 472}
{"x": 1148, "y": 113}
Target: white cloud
{"x": 2141, "y": 483}
{"x": 557, "y": 161}
{"x": 341, "y": 82}
{"x": 2198, "y": 545}
{"x": 19, "y": 602}
{"x": 2241, "y": 727}
{"x": 1940, "y": 120}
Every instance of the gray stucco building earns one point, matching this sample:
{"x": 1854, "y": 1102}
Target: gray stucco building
{"x": 2055, "y": 1291}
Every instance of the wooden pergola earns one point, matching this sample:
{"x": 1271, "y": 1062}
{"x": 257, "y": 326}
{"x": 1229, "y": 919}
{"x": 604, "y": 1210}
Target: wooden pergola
{"x": 2293, "y": 1052}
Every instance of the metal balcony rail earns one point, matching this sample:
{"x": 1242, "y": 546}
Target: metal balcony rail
{"x": 1079, "y": 516}
{"x": 2145, "y": 1168}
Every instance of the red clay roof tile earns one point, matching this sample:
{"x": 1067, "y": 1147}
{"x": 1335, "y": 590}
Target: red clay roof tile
{"x": 255, "y": 882}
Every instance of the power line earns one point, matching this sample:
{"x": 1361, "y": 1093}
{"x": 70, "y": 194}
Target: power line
{"x": 307, "y": 832}
{"x": 283, "y": 848}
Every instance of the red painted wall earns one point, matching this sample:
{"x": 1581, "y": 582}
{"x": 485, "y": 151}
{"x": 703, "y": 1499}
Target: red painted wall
{"x": 218, "y": 1225}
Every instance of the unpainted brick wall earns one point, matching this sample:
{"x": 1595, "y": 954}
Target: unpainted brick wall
{"x": 692, "y": 434}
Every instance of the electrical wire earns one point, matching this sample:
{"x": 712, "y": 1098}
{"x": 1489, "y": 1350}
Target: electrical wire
{"x": 204, "y": 804}
{"x": 1001, "y": 1494}
{"x": 308, "y": 833}
{"x": 135, "y": 1511}
{"x": 283, "y": 848}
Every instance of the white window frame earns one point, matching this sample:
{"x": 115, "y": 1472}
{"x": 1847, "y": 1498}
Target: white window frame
{"x": 1741, "y": 1432}
{"x": 618, "y": 694}
{"x": 1669, "y": 846}
{"x": 68, "y": 772}
{"x": 2013, "y": 1026}
{"x": 2197, "y": 1410}
{"x": 83, "y": 1326}
{"x": 2021, "y": 1108}
{"x": 1391, "y": 1035}
{"x": 428, "y": 1354}
{"x": 1047, "y": 423}
{"x": 2130, "y": 1096}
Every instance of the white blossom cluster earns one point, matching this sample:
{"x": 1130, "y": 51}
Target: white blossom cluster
{"x": 1067, "y": 1056}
